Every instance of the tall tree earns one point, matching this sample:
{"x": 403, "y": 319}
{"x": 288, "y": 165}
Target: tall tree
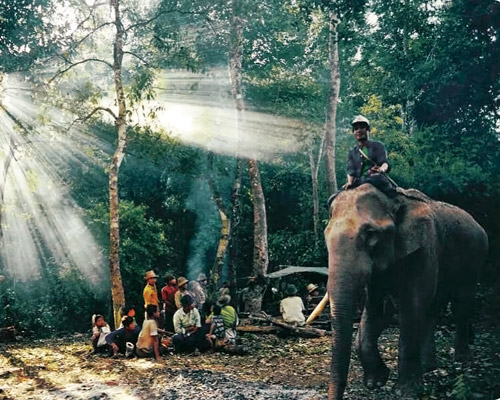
{"x": 117, "y": 292}
{"x": 140, "y": 87}
{"x": 332, "y": 101}
{"x": 260, "y": 246}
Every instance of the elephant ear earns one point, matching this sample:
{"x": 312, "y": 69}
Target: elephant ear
{"x": 414, "y": 226}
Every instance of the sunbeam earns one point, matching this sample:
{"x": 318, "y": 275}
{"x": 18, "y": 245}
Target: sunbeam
{"x": 40, "y": 223}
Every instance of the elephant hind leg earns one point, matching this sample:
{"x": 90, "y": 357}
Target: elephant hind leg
{"x": 462, "y": 306}
{"x": 429, "y": 359}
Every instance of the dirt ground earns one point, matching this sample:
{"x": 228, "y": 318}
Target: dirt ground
{"x": 274, "y": 368}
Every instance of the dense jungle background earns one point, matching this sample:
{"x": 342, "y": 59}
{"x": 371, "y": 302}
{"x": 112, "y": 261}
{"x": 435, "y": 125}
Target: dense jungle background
{"x": 171, "y": 118}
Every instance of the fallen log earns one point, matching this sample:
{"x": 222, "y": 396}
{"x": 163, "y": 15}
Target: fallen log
{"x": 303, "y": 331}
{"x": 257, "y": 328}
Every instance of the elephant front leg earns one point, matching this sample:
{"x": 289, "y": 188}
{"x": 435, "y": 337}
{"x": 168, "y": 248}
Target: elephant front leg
{"x": 374, "y": 319}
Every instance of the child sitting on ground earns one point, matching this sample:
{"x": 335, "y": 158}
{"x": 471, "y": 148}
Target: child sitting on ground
{"x": 100, "y": 330}
{"x": 217, "y": 332}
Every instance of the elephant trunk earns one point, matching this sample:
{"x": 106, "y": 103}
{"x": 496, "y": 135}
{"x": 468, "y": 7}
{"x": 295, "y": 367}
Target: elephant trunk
{"x": 342, "y": 301}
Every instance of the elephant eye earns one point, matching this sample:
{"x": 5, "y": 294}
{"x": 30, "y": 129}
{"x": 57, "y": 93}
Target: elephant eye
{"x": 371, "y": 238}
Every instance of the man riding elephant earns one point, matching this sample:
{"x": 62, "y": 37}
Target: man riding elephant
{"x": 423, "y": 253}
{"x": 367, "y": 161}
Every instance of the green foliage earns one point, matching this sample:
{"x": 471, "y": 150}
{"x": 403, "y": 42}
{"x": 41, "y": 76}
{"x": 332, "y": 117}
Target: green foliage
{"x": 62, "y": 300}
{"x": 24, "y": 33}
{"x": 141, "y": 86}
{"x": 143, "y": 244}
{"x": 461, "y": 389}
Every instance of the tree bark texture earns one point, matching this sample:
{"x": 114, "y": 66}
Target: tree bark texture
{"x": 235, "y": 223}
{"x": 260, "y": 248}
{"x": 333, "y": 96}
{"x": 224, "y": 234}
{"x": 117, "y": 292}
{"x": 235, "y": 65}
{"x": 260, "y": 253}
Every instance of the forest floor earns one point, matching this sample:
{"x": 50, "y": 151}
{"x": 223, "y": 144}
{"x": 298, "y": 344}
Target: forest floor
{"x": 274, "y": 368}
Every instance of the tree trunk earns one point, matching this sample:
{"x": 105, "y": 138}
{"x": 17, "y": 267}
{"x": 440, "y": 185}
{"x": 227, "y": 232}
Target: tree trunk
{"x": 235, "y": 230}
{"x": 224, "y": 234}
{"x": 260, "y": 248}
{"x": 333, "y": 96}
{"x": 117, "y": 292}
{"x": 221, "y": 252}
{"x": 235, "y": 63}
{"x": 315, "y": 186}
{"x": 260, "y": 253}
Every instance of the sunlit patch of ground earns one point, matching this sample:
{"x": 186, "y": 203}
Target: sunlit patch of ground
{"x": 275, "y": 368}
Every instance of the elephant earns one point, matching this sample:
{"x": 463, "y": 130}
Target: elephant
{"x": 422, "y": 253}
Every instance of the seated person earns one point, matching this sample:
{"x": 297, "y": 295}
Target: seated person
{"x": 292, "y": 307}
{"x": 124, "y": 337}
{"x": 187, "y": 325}
{"x": 229, "y": 317}
{"x": 217, "y": 332}
{"x": 148, "y": 341}
{"x": 127, "y": 310}
{"x": 100, "y": 329}
{"x": 313, "y": 297}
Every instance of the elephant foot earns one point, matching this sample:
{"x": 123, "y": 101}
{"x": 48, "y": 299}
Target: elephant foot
{"x": 408, "y": 389}
{"x": 377, "y": 378}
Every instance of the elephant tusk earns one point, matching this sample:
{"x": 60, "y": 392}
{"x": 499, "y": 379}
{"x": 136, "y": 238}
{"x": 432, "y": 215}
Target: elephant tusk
{"x": 318, "y": 310}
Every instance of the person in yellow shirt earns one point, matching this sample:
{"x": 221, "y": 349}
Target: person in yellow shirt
{"x": 150, "y": 293}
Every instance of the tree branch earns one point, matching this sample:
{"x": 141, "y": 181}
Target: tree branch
{"x": 90, "y": 34}
{"x": 95, "y": 110}
{"x": 152, "y": 19}
{"x": 63, "y": 71}
{"x": 138, "y": 57}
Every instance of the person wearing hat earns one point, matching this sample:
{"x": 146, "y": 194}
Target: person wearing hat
{"x": 168, "y": 296}
{"x": 292, "y": 307}
{"x": 367, "y": 161}
{"x": 198, "y": 290}
{"x": 313, "y": 297}
{"x": 187, "y": 325}
{"x": 229, "y": 317}
{"x": 182, "y": 284}
{"x": 150, "y": 292}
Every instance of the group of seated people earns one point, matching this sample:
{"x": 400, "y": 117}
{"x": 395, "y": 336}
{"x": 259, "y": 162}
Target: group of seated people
{"x": 192, "y": 333}
{"x": 292, "y": 307}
